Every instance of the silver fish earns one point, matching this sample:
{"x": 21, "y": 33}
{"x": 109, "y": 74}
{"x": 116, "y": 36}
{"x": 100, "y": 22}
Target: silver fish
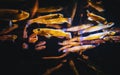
{"x": 79, "y": 48}
{"x": 78, "y": 28}
{"x": 99, "y": 35}
{"x": 96, "y": 28}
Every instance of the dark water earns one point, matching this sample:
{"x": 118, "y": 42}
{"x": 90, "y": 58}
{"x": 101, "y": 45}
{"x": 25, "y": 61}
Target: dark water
{"x": 27, "y": 62}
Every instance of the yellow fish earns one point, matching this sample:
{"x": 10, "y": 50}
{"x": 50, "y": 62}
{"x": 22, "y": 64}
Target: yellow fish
{"x": 50, "y": 19}
{"x": 95, "y": 6}
{"x": 97, "y": 35}
{"x": 97, "y": 18}
{"x": 47, "y": 32}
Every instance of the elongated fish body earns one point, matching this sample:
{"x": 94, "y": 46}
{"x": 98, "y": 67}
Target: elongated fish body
{"x": 8, "y": 37}
{"x": 112, "y": 38}
{"x": 117, "y": 30}
{"x": 84, "y": 42}
{"x": 97, "y": 18}
{"x": 49, "y": 9}
{"x": 33, "y": 38}
{"x": 95, "y": 6}
{"x": 96, "y": 28}
{"x": 79, "y": 48}
{"x": 78, "y": 28}
{"x": 92, "y": 38}
{"x": 97, "y": 35}
{"x": 93, "y": 42}
{"x": 51, "y": 32}
{"x": 7, "y": 30}
{"x": 50, "y": 19}
{"x": 50, "y": 16}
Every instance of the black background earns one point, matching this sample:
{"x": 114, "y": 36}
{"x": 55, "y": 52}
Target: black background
{"x": 17, "y": 61}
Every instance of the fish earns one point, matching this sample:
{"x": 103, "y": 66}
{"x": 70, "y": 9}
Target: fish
{"x": 115, "y": 38}
{"x": 25, "y": 45}
{"x": 73, "y": 43}
{"x": 99, "y": 35}
{"x": 50, "y": 19}
{"x": 97, "y": 18}
{"x": 9, "y": 29}
{"x": 25, "y": 33}
{"x": 96, "y": 28}
{"x": 78, "y": 28}
{"x": 33, "y": 38}
{"x": 34, "y": 9}
{"x": 64, "y": 47}
{"x": 51, "y": 16}
{"x": 49, "y": 9}
{"x": 48, "y": 32}
{"x": 57, "y": 26}
{"x": 117, "y": 30}
{"x": 90, "y": 37}
{"x": 93, "y": 42}
{"x": 8, "y": 37}
{"x": 83, "y": 42}
{"x": 80, "y": 48}
{"x": 40, "y": 46}
{"x": 73, "y": 11}
{"x": 13, "y": 15}
{"x": 96, "y": 6}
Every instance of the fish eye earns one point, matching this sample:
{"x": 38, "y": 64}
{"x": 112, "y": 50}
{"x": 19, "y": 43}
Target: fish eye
{"x": 38, "y": 29}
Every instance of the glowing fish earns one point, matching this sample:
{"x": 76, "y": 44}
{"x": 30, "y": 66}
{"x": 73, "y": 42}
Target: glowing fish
{"x": 47, "y": 32}
{"x": 78, "y": 28}
{"x": 97, "y": 35}
{"x": 50, "y": 19}
{"x": 97, "y": 18}
{"x": 97, "y": 28}
{"x": 80, "y": 49}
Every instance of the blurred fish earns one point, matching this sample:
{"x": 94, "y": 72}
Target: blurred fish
{"x": 117, "y": 30}
{"x": 40, "y": 46}
{"x": 35, "y": 8}
{"x": 73, "y": 11}
{"x": 115, "y": 38}
{"x": 73, "y": 43}
{"x": 47, "y": 32}
{"x": 96, "y": 6}
{"x": 80, "y": 49}
{"x": 7, "y": 30}
{"x": 91, "y": 37}
{"x": 57, "y": 26}
{"x": 97, "y": 18}
{"x": 33, "y": 38}
{"x": 99, "y": 35}
{"x": 25, "y": 45}
{"x": 25, "y": 33}
{"x": 78, "y": 28}
{"x": 50, "y": 19}
{"x": 97, "y": 28}
{"x": 49, "y": 9}
{"x": 8, "y": 37}
{"x": 84, "y": 42}
{"x": 64, "y": 47}
{"x": 93, "y": 42}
